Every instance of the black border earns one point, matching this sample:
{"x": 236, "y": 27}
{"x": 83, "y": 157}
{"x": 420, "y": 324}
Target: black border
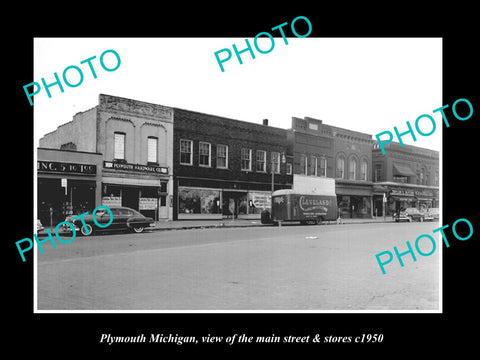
{"x": 64, "y": 334}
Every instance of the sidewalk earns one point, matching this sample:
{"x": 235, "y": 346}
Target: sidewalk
{"x": 207, "y": 224}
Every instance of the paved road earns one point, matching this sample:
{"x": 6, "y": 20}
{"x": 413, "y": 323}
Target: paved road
{"x": 327, "y": 267}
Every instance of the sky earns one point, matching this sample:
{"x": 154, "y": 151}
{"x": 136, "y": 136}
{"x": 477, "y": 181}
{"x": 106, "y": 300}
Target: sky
{"x": 363, "y": 84}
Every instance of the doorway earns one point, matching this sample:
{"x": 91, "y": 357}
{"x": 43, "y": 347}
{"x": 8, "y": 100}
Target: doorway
{"x": 130, "y": 197}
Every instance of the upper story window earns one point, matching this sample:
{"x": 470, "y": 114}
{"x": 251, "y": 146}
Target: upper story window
{"x": 204, "y": 153}
{"x": 352, "y": 169}
{"x": 364, "y": 170}
{"x": 289, "y": 169}
{"x": 323, "y": 166}
{"x": 222, "y": 156}
{"x": 186, "y": 152}
{"x": 378, "y": 173}
{"x": 246, "y": 159}
{"x": 304, "y": 164}
{"x": 119, "y": 146}
{"x": 340, "y": 169}
{"x": 152, "y": 149}
{"x": 276, "y": 162}
{"x": 261, "y": 163}
{"x": 314, "y": 164}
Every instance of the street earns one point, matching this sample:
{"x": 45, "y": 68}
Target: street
{"x": 325, "y": 267}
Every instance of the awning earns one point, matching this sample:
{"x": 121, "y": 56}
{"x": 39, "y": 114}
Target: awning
{"x": 402, "y": 170}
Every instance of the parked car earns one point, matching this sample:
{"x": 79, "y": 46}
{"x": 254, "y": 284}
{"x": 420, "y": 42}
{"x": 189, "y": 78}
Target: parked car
{"x": 411, "y": 214}
{"x": 39, "y": 226}
{"x": 434, "y": 213}
{"x": 401, "y": 215}
{"x": 124, "y": 218}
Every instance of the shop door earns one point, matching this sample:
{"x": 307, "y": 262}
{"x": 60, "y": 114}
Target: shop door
{"x": 234, "y": 203}
{"x": 162, "y": 207}
{"x": 130, "y": 197}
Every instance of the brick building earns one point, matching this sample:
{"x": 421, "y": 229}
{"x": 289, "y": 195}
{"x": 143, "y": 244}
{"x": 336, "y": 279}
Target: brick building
{"x": 328, "y": 151}
{"x": 407, "y": 175}
{"x": 223, "y": 167}
{"x": 135, "y": 140}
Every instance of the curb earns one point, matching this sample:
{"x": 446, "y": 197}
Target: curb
{"x": 220, "y": 226}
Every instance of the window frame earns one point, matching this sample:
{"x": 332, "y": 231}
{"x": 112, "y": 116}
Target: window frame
{"x": 242, "y": 159}
{"x": 200, "y": 143}
{"x": 226, "y": 156}
{"x": 275, "y": 156}
{"x": 263, "y": 161}
{"x": 191, "y": 152}
{"x": 156, "y": 150}
{"x": 124, "y": 135}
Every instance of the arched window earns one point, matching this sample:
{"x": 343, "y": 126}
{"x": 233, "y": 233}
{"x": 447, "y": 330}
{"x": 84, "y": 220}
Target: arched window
{"x": 352, "y": 169}
{"x": 364, "y": 170}
{"x": 340, "y": 171}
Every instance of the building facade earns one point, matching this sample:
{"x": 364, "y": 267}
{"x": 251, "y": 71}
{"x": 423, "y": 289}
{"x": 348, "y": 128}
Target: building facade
{"x": 68, "y": 182}
{"x": 408, "y": 176}
{"x": 327, "y": 151}
{"x": 223, "y": 167}
{"x": 135, "y": 139}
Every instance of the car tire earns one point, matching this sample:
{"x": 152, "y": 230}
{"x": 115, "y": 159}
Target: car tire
{"x": 86, "y": 230}
{"x": 138, "y": 229}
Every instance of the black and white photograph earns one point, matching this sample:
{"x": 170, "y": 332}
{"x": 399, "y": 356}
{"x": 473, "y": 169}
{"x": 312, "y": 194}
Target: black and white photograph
{"x": 274, "y": 189}
{"x": 272, "y": 182}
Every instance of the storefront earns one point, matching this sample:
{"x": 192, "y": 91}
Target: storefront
{"x": 354, "y": 198}
{"x": 221, "y": 200}
{"x": 68, "y": 183}
{"x": 142, "y": 188}
{"x": 401, "y": 196}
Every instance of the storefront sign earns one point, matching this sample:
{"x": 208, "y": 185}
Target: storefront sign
{"x": 151, "y": 169}
{"x": 401, "y": 192}
{"x": 147, "y": 203}
{"x": 260, "y": 200}
{"x": 63, "y": 167}
{"x": 112, "y": 201}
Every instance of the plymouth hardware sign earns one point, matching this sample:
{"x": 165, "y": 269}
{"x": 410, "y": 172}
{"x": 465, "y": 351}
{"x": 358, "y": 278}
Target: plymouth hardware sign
{"x": 151, "y": 169}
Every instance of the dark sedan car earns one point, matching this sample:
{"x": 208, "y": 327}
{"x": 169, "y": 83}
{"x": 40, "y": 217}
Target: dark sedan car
{"x": 123, "y": 219}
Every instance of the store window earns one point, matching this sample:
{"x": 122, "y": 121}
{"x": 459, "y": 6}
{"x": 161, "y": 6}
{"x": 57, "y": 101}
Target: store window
{"x": 152, "y": 149}
{"x": 246, "y": 159}
{"x": 222, "y": 156}
{"x": 261, "y": 163}
{"x": 119, "y": 146}
{"x": 340, "y": 170}
{"x": 186, "y": 152}
{"x": 198, "y": 201}
{"x": 204, "y": 153}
